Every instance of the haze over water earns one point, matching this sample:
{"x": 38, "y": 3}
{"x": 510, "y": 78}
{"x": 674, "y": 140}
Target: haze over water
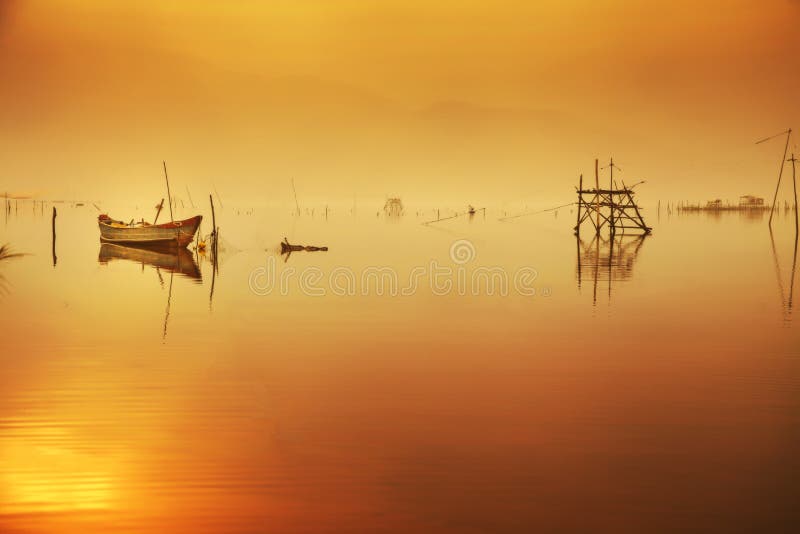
{"x": 472, "y": 375}
{"x": 659, "y": 392}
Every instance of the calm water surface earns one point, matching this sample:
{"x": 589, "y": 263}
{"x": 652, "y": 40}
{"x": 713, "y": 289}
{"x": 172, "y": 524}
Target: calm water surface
{"x": 655, "y": 386}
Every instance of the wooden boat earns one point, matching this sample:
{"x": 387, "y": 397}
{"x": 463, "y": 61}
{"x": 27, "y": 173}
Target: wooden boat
{"x": 176, "y": 234}
{"x": 179, "y": 261}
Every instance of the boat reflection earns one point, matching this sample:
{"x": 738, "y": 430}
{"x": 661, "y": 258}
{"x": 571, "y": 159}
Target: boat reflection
{"x": 173, "y": 261}
{"x": 607, "y": 260}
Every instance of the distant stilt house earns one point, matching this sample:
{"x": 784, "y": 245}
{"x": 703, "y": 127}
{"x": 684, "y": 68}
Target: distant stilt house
{"x": 393, "y": 206}
{"x": 750, "y": 201}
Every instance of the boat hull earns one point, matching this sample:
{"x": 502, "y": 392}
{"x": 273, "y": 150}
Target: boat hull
{"x": 177, "y": 234}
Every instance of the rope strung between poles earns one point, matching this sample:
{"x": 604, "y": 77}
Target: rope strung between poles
{"x": 454, "y": 216}
{"x": 535, "y": 212}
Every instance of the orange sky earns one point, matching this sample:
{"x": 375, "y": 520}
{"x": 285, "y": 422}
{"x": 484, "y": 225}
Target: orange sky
{"x": 449, "y": 102}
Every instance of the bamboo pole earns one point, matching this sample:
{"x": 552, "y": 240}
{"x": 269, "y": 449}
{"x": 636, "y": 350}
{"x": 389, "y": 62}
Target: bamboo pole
{"x": 780, "y": 174}
{"x": 794, "y": 185}
{"x": 611, "y": 199}
{"x": 169, "y": 195}
{"x": 213, "y": 228}
{"x": 578, "y": 225}
{"x": 55, "y": 258}
{"x": 597, "y": 194}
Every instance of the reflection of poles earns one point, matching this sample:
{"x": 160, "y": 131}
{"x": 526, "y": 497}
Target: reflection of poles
{"x": 55, "y": 258}
{"x": 578, "y": 244}
{"x": 794, "y": 268}
{"x": 777, "y": 268}
{"x": 169, "y": 300}
{"x": 786, "y": 303}
{"x": 213, "y": 281}
{"x": 618, "y": 265}
{"x": 610, "y": 260}
{"x": 596, "y": 269}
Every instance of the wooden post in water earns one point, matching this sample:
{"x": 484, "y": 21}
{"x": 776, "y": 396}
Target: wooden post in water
{"x": 611, "y": 201}
{"x": 213, "y": 228}
{"x": 597, "y": 194}
{"x": 780, "y": 172}
{"x": 578, "y": 224}
{"x": 55, "y": 258}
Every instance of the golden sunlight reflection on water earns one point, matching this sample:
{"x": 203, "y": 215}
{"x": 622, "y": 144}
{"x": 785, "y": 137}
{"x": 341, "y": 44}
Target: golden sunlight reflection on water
{"x": 655, "y": 384}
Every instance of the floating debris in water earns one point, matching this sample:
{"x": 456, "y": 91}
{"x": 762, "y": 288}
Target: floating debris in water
{"x": 287, "y": 247}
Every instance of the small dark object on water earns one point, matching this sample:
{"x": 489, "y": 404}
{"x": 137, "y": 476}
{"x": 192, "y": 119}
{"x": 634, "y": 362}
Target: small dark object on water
{"x": 287, "y": 247}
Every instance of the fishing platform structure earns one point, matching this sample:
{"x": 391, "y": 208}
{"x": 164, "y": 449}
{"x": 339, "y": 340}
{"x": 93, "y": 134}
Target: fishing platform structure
{"x": 612, "y": 207}
{"x": 393, "y": 206}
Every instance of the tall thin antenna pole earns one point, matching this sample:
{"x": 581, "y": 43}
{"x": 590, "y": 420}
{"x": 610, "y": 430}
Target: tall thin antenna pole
{"x": 780, "y": 174}
{"x": 169, "y": 196}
